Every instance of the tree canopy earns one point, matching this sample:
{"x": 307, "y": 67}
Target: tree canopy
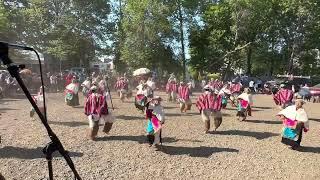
{"x": 212, "y": 36}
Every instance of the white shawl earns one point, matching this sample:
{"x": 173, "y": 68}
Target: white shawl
{"x": 292, "y": 113}
{"x": 73, "y": 87}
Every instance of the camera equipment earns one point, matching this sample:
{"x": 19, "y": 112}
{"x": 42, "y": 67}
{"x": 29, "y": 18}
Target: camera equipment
{"x": 55, "y": 144}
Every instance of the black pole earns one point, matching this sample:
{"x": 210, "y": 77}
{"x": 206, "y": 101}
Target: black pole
{"x": 57, "y": 145}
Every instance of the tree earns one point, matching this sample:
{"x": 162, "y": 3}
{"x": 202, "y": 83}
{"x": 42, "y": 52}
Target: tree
{"x": 147, "y": 33}
{"x": 70, "y": 29}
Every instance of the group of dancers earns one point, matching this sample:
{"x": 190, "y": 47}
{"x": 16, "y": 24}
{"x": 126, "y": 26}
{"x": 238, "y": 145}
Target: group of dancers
{"x": 293, "y": 115}
{"x": 215, "y": 97}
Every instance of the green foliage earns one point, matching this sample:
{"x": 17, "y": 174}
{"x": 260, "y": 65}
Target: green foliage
{"x": 259, "y": 37}
{"x": 68, "y": 30}
{"x": 264, "y": 37}
{"x": 147, "y": 33}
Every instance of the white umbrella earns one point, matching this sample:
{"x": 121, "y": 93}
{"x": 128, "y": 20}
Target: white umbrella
{"x": 141, "y": 71}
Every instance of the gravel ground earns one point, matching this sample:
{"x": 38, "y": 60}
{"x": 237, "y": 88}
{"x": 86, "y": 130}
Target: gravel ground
{"x": 239, "y": 150}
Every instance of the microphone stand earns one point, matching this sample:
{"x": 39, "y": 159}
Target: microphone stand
{"x": 55, "y": 144}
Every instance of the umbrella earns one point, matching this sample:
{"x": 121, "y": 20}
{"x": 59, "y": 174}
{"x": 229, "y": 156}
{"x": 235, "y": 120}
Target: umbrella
{"x": 304, "y": 92}
{"x": 141, "y": 71}
{"x": 26, "y": 72}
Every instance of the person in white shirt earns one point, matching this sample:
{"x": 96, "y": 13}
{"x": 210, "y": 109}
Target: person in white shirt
{"x": 53, "y": 82}
{"x": 251, "y": 86}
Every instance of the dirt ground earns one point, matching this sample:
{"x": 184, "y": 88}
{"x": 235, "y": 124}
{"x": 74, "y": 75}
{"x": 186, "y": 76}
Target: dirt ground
{"x": 239, "y": 150}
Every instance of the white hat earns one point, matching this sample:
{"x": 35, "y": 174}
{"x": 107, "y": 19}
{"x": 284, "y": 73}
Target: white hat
{"x": 93, "y": 88}
{"x": 207, "y": 87}
{"x": 282, "y": 85}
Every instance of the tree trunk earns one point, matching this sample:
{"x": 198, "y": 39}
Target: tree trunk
{"x": 226, "y": 71}
{"x": 182, "y": 40}
{"x": 290, "y": 68}
{"x": 272, "y": 59}
{"x": 249, "y": 64}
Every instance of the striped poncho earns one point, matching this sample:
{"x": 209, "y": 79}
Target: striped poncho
{"x": 284, "y": 96}
{"x": 121, "y": 84}
{"x": 171, "y": 87}
{"x": 235, "y": 88}
{"x": 209, "y": 101}
{"x": 96, "y": 104}
{"x": 184, "y": 92}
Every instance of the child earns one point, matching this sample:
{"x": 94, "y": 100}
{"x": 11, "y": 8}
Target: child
{"x": 244, "y": 105}
{"x": 155, "y": 117}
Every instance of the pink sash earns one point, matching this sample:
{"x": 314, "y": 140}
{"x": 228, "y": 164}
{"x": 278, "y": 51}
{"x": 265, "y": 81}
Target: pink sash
{"x": 155, "y": 123}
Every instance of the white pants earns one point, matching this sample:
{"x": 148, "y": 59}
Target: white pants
{"x": 94, "y": 119}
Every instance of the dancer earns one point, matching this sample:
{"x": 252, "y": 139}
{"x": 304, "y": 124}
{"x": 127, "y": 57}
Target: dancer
{"x": 122, "y": 88}
{"x": 235, "y": 89}
{"x": 156, "y": 118}
{"x": 226, "y": 94}
{"x": 106, "y": 116}
{"x": 152, "y": 85}
{"x": 283, "y": 98}
{"x": 171, "y": 88}
{"x": 96, "y": 108}
{"x": 295, "y": 121}
{"x": 184, "y": 97}
{"x": 68, "y": 79}
{"x": 143, "y": 93}
{"x": 72, "y": 97}
{"x": 86, "y": 87}
{"x": 209, "y": 105}
{"x": 244, "y": 105}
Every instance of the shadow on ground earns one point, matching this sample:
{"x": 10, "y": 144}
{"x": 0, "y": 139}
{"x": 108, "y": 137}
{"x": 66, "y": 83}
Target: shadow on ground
{"x": 68, "y": 123}
{"x": 25, "y": 153}
{"x": 140, "y": 139}
{"x": 201, "y": 151}
{"x": 78, "y": 107}
{"x": 310, "y": 149}
{"x": 124, "y": 117}
{"x": 314, "y": 119}
{"x": 259, "y": 107}
{"x": 8, "y": 100}
{"x": 263, "y": 121}
{"x": 223, "y": 114}
{"x": 257, "y": 135}
{"x": 2, "y": 110}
